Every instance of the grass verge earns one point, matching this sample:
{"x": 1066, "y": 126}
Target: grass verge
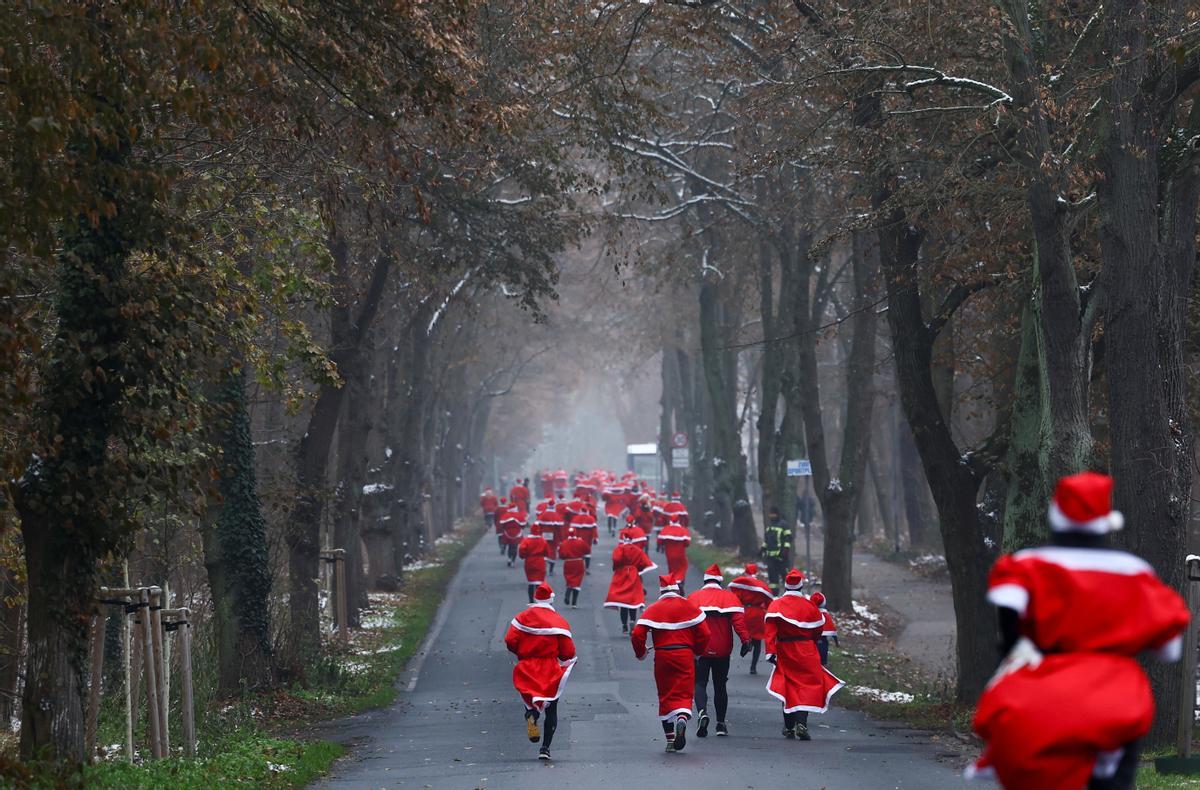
{"x": 263, "y": 740}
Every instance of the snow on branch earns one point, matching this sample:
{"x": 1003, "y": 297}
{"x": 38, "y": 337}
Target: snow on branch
{"x": 932, "y": 77}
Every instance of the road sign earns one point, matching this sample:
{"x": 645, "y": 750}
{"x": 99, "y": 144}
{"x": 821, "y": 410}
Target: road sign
{"x": 800, "y": 467}
{"x": 679, "y": 440}
{"x": 679, "y": 458}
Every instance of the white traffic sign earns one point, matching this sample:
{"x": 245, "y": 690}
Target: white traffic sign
{"x": 800, "y": 467}
{"x": 679, "y": 458}
{"x": 679, "y": 440}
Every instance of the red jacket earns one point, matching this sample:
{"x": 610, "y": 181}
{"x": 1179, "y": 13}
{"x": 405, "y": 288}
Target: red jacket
{"x": 489, "y": 503}
{"x": 724, "y": 615}
{"x": 675, "y": 621}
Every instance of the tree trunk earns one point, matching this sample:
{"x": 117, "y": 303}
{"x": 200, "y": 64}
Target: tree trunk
{"x": 235, "y": 551}
{"x": 1148, "y": 201}
{"x": 735, "y": 515}
{"x": 303, "y": 536}
{"x": 969, "y": 548}
{"x": 12, "y": 623}
{"x": 353, "y": 461}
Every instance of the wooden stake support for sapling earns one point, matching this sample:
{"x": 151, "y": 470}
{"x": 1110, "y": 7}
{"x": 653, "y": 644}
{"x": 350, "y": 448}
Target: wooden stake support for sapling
{"x": 337, "y": 557}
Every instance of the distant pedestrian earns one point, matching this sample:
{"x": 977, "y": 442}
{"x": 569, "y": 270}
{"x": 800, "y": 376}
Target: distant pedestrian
{"x": 572, "y": 551}
{"x": 679, "y": 635}
{"x": 626, "y": 592}
{"x": 541, "y": 640}
{"x": 755, "y": 596}
{"x": 584, "y": 524}
{"x": 828, "y": 631}
{"x": 793, "y": 625}
{"x": 1070, "y": 701}
{"x": 512, "y": 524}
{"x": 777, "y": 548}
{"x": 725, "y": 616}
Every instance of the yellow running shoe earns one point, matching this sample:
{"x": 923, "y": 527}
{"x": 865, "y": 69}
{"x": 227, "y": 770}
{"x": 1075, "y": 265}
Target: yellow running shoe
{"x": 531, "y": 729}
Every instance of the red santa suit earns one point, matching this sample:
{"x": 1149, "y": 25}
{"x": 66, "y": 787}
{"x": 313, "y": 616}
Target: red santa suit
{"x": 676, "y": 510}
{"x": 793, "y": 625}
{"x": 673, "y": 541}
{"x": 679, "y": 635}
{"x": 534, "y": 549}
{"x": 489, "y": 503}
{"x": 629, "y": 563}
{"x": 585, "y": 527}
{"x": 572, "y": 551}
{"x": 541, "y": 639}
{"x": 1071, "y": 695}
{"x": 725, "y": 617}
{"x": 643, "y": 518}
{"x": 511, "y": 523}
{"x": 519, "y": 495}
{"x": 550, "y": 526}
{"x": 634, "y": 535}
{"x": 756, "y": 596}
{"x": 547, "y": 481}
{"x": 614, "y": 501}
{"x": 561, "y": 480}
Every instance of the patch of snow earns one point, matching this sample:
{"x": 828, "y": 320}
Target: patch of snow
{"x": 880, "y": 695}
{"x": 376, "y": 488}
{"x": 421, "y": 565}
{"x": 387, "y": 452}
{"x": 278, "y": 768}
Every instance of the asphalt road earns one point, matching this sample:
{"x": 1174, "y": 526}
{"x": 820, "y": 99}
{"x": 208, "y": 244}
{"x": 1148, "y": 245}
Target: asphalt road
{"x": 460, "y": 724}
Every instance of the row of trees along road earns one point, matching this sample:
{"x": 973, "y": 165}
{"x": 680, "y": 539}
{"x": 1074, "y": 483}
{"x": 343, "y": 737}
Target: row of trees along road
{"x": 269, "y": 274}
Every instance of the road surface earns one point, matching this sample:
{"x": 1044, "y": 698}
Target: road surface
{"x": 459, "y": 724}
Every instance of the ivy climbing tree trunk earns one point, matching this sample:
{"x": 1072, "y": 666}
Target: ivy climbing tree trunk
{"x": 235, "y": 551}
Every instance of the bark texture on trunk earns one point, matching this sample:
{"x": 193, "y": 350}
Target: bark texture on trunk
{"x": 235, "y": 553}
{"x": 1148, "y": 202}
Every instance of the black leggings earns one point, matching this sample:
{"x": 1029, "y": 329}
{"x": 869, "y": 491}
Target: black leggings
{"x": 629, "y": 617}
{"x": 755, "y": 653}
{"x": 549, "y": 725}
{"x": 792, "y": 719}
{"x": 572, "y": 596}
{"x": 531, "y": 587}
{"x": 719, "y": 668}
{"x": 511, "y": 550}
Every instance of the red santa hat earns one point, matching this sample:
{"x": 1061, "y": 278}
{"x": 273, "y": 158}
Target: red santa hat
{"x": 794, "y": 580}
{"x": 504, "y": 500}
{"x": 543, "y": 594}
{"x": 819, "y": 599}
{"x": 713, "y": 573}
{"x": 1083, "y": 503}
{"x": 751, "y": 569}
{"x": 668, "y": 584}
{"x": 570, "y": 532}
{"x": 675, "y": 496}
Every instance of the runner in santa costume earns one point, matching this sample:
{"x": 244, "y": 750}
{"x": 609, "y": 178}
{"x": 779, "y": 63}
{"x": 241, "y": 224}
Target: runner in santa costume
{"x": 541, "y": 640}
{"x": 724, "y": 615}
{"x": 512, "y": 524}
{"x": 675, "y": 509}
{"x": 572, "y": 551}
{"x": 613, "y": 497}
{"x": 533, "y": 549}
{"x": 550, "y": 525}
{"x": 793, "y": 625}
{"x": 547, "y": 481}
{"x": 584, "y": 525}
{"x": 673, "y": 541}
{"x": 561, "y": 484}
{"x": 643, "y": 516}
{"x": 1069, "y": 702}
{"x": 625, "y": 591}
{"x": 828, "y": 631}
{"x": 756, "y": 596}
{"x": 634, "y": 534}
{"x": 500, "y": 511}
{"x": 519, "y": 494}
{"x": 489, "y": 503}
{"x": 680, "y": 634}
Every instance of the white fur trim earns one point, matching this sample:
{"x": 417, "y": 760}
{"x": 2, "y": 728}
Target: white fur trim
{"x": 684, "y": 538}
{"x": 1009, "y": 596}
{"x": 1075, "y": 559}
{"x": 810, "y": 708}
{"x": 672, "y": 626}
{"x": 1061, "y": 522}
{"x": 797, "y": 623}
{"x": 540, "y": 702}
{"x": 644, "y": 571}
{"x": 767, "y": 593}
{"x": 539, "y": 631}
{"x": 723, "y": 610}
{"x": 1172, "y": 651}
{"x": 973, "y": 771}
{"x": 684, "y": 712}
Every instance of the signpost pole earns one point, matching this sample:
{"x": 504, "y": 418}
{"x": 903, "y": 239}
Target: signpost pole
{"x": 807, "y": 527}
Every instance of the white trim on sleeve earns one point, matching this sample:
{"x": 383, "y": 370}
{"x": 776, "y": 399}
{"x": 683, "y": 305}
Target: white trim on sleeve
{"x": 1009, "y": 596}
